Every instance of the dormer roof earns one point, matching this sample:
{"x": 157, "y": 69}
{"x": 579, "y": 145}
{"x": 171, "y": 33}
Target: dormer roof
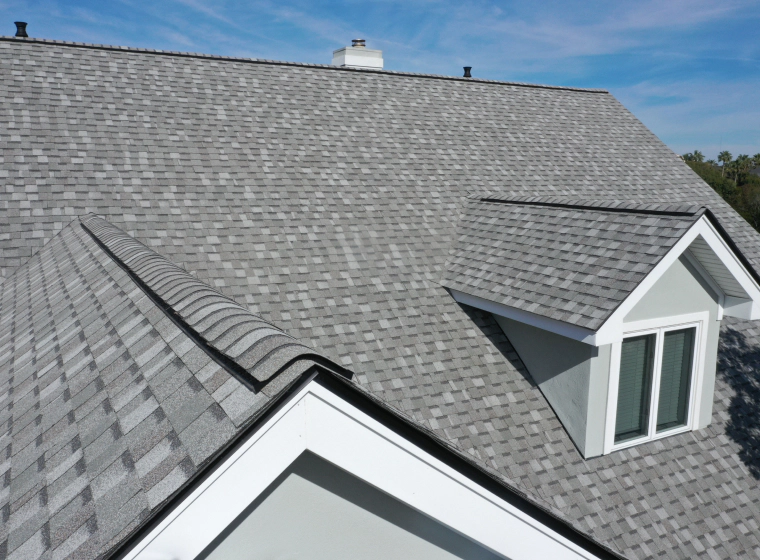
{"x": 325, "y": 201}
{"x": 571, "y": 265}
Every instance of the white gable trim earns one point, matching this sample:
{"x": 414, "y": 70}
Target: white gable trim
{"x": 612, "y": 330}
{"x": 318, "y": 420}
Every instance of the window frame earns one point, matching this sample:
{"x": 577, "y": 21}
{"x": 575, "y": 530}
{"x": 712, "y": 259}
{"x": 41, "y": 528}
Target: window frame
{"x": 658, "y": 327}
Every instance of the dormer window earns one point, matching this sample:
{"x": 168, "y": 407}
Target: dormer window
{"x": 657, "y": 377}
{"x": 613, "y": 307}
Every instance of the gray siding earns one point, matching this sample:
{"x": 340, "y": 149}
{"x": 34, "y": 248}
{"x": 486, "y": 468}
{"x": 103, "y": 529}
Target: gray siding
{"x": 679, "y": 291}
{"x": 574, "y": 377}
{"x": 317, "y": 511}
{"x": 568, "y": 373}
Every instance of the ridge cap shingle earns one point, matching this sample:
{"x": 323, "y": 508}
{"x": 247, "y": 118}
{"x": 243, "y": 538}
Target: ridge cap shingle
{"x": 265, "y": 357}
{"x": 611, "y": 205}
{"x": 227, "y": 58}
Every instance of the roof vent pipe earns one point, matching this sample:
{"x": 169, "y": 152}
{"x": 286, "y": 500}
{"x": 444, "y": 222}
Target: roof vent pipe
{"x": 467, "y": 72}
{"x": 21, "y": 29}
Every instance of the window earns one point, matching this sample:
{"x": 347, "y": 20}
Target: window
{"x": 655, "y": 382}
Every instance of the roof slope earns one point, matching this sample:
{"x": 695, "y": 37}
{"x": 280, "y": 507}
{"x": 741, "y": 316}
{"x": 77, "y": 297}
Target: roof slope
{"x": 107, "y": 406}
{"x": 240, "y": 339}
{"x": 569, "y": 260}
{"x": 325, "y": 201}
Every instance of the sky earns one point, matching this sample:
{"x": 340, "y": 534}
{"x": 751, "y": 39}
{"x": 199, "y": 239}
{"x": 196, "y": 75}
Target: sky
{"x": 689, "y": 69}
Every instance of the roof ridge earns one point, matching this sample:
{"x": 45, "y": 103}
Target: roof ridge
{"x": 202, "y": 56}
{"x": 250, "y": 348}
{"x": 623, "y": 206}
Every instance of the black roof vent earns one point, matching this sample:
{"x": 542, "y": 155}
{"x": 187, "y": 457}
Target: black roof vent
{"x": 358, "y": 43}
{"x": 21, "y": 29}
{"x": 467, "y": 72}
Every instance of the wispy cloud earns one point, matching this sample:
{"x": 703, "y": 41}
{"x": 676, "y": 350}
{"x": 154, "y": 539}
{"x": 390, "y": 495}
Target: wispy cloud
{"x": 207, "y": 9}
{"x": 699, "y": 114}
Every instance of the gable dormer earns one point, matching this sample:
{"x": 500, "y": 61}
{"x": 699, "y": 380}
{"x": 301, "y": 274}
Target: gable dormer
{"x": 614, "y": 308}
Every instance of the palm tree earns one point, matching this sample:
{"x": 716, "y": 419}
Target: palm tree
{"x": 711, "y": 162}
{"x": 725, "y": 158}
{"x": 698, "y": 156}
{"x": 743, "y": 164}
{"x": 756, "y": 160}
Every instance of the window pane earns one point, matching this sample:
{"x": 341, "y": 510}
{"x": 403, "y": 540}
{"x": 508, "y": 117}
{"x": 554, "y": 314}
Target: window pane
{"x": 634, "y": 392}
{"x": 675, "y": 380}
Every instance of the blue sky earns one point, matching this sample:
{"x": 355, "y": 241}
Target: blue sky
{"x": 689, "y": 69}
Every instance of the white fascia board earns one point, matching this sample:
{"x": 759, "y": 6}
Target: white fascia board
{"x": 561, "y": 328}
{"x": 318, "y": 420}
{"x": 612, "y": 329}
{"x": 731, "y": 261}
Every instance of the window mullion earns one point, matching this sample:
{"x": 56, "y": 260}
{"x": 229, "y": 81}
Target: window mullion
{"x": 655, "y": 396}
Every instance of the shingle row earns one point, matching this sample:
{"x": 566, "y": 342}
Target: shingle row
{"x": 569, "y": 260}
{"x": 257, "y": 346}
{"x": 326, "y": 202}
{"x": 107, "y": 408}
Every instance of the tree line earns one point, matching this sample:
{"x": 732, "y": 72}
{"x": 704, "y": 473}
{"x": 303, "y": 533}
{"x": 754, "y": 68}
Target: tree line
{"x": 733, "y": 179}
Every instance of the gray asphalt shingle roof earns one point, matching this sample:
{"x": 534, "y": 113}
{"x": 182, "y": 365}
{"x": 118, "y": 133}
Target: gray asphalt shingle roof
{"x": 325, "y": 201}
{"x": 569, "y": 260}
{"x": 258, "y": 347}
{"x": 108, "y": 406}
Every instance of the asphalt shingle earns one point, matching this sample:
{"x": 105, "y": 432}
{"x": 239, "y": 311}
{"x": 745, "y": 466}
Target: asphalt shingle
{"x": 120, "y": 412}
{"x": 325, "y": 201}
{"x": 569, "y": 260}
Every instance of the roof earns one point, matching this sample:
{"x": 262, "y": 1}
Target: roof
{"x": 109, "y": 407}
{"x": 253, "y": 350}
{"x": 326, "y": 202}
{"x": 571, "y": 260}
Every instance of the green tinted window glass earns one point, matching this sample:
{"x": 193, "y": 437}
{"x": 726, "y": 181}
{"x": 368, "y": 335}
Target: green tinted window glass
{"x": 634, "y": 391}
{"x": 675, "y": 378}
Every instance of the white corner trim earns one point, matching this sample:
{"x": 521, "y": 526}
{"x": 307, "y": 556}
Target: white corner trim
{"x": 698, "y": 320}
{"x": 320, "y": 421}
{"x": 561, "y": 328}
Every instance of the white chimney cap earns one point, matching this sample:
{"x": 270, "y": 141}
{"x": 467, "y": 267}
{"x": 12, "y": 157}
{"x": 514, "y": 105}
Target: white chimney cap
{"x": 358, "y": 56}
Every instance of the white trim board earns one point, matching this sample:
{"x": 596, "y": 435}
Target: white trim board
{"x": 539, "y": 321}
{"x": 612, "y": 329}
{"x": 320, "y": 421}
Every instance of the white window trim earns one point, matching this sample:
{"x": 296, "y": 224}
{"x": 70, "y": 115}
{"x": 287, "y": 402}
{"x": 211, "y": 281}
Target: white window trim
{"x": 319, "y": 421}
{"x": 698, "y": 320}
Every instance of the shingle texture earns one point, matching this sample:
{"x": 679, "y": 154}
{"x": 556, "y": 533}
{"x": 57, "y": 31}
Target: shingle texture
{"x": 569, "y": 260}
{"x": 107, "y": 407}
{"x": 326, "y": 201}
{"x": 259, "y": 347}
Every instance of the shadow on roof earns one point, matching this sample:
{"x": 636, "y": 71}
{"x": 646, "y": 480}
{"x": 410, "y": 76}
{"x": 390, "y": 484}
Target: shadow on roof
{"x": 739, "y": 361}
{"x": 490, "y": 329}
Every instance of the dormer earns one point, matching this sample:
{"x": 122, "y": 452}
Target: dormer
{"x": 613, "y": 307}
